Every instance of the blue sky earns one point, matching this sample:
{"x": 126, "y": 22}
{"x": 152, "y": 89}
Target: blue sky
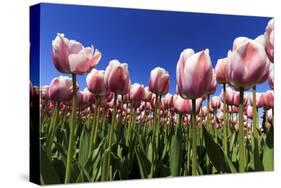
{"x": 142, "y": 38}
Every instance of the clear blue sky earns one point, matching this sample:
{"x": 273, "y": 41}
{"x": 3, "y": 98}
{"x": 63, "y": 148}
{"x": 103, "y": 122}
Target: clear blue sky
{"x": 142, "y": 38}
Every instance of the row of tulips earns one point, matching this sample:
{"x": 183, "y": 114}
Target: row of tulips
{"x": 114, "y": 129}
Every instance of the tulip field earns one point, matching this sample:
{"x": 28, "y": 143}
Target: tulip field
{"x": 116, "y": 129}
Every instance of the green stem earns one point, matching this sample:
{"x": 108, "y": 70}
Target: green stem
{"x": 255, "y": 133}
{"x": 194, "y": 152}
{"x": 96, "y": 124}
{"x": 107, "y": 154}
{"x": 242, "y": 159}
{"x": 72, "y": 128}
{"x": 53, "y": 128}
{"x": 225, "y": 146}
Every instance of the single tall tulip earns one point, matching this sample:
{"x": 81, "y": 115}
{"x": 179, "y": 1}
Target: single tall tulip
{"x": 247, "y": 67}
{"x": 194, "y": 77}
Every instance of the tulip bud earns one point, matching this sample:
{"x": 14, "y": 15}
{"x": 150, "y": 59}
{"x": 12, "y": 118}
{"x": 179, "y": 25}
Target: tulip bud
{"x": 250, "y": 112}
{"x": 194, "y": 73}
{"x": 137, "y": 92}
{"x": 117, "y": 78}
{"x": 221, "y": 71}
{"x": 96, "y": 83}
{"x": 247, "y": 63}
{"x": 215, "y": 102}
{"x": 159, "y": 81}
{"x": 60, "y": 89}
{"x": 268, "y": 99}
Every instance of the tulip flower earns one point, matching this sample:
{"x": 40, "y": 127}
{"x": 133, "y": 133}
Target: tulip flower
{"x": 194, "y": 76}
{"x": 96, "y": 82}
{"x": 137, "y": 92}
{"x": 71, "y": 57}
{"x": 147, "y": 94}
{"x": 221, "y": 70}
{"x": 159, "y": 81}
{"x": 194, "y": 73}
{"x": 247, "y": 67}
{"x": 168, "y": 100}
{"x": 269, "y": 38}
{"x": 215, "y": 102}
{"x": 117, "y": 78}
{"x": 213, "y": 86}
{"x": 88, "y": 97}
{"x": 181, "y": 105}
{"x": 247, "y": 63}
{"x": 249, "y": 111}
{"x": 60, "y": 89}
{"x": 259, "y": 100}
{"x": 268, "y": 99}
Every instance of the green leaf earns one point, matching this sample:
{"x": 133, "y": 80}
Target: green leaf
{"x": 143, "y": 163}
{"x": 48, "y": 172}
{"x": 84, "y": 146}
{"x": 268, "y": 155}
{"x": 175, "y": 155}
{"x": 215, "y": 153}
{"x": 150, "y": 152}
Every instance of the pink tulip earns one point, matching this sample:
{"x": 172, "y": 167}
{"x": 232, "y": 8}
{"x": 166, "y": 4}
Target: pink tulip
{"x": 96, "y": 82}
{"x": 234, "y": 109}
{"x": 70, "y": 56}
{"x": 182, "y": 106}
{"x": 249, "y": 112}
{"x": 137, "y": 92}
{"x": 259, "y": 100}
{"x": 168, "y": 100}
{"x": 60, "y": 89}
{"x": 236, "y": 99}
{"x": 269, "y": 40}
{"x": 271, "y": 77}
{"x": 215, "y": 102}
{"x": 247, "y": 63}
{"x": 117, "y": 78}
{"x": 88, "y": 97}
{"x": 229, "y": 96}
{"x": 147, "y": 94}
{"x": 213, "y": 86}
{"x": 159, "y": 81}
{"x": 268, "y": 99}
{"x": 221, "y": 71}
{"x": 194, "y": 73}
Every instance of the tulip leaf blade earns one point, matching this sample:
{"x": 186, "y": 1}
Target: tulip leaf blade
{"x": 143, "y": 163}
{"x": 215, "y": 153}
{"x": 175, "y": 155}
{"x": 48, "y": 172}
{"x": 268, "y": 155}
